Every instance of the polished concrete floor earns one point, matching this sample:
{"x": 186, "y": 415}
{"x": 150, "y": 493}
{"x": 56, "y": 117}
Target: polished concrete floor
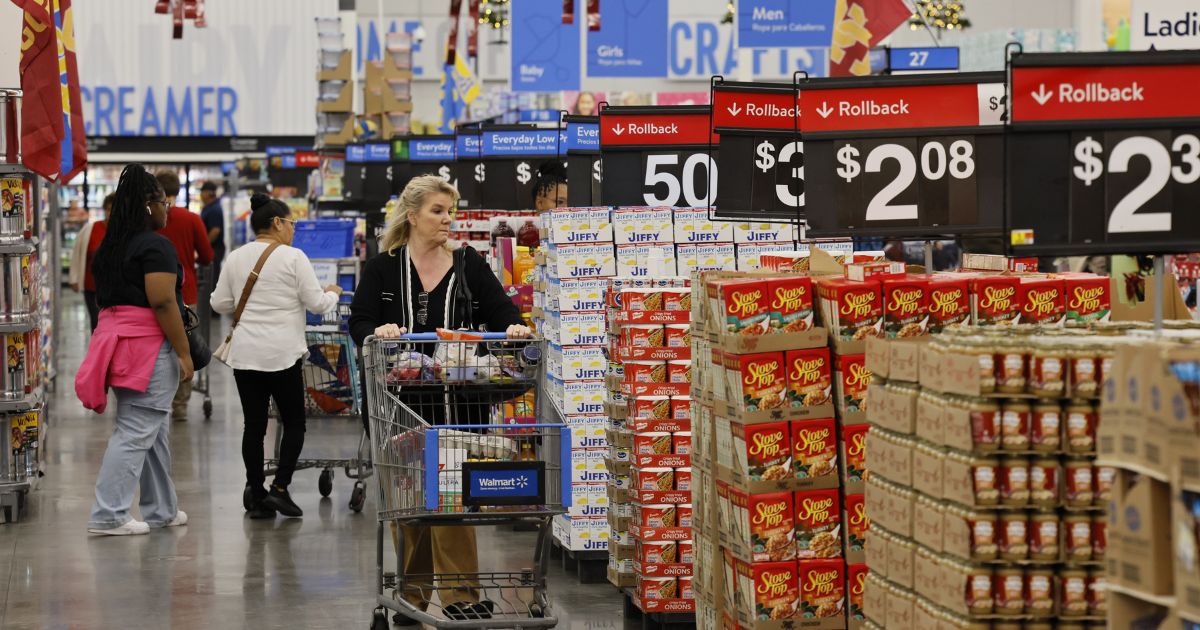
{"x": 222, "y": 570}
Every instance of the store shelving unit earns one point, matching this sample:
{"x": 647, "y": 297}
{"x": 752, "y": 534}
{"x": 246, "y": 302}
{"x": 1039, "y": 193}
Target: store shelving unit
{"x": 27, "y": 330}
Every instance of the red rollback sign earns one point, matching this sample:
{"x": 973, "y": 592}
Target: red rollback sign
{"x": 743, "y": 109}
{"x": 1127, "y": 92}
{"x": 655, "y": 129}
{"x": 901, "y": 107}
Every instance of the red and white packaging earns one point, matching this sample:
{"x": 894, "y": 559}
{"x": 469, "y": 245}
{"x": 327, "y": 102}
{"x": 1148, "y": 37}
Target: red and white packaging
{"x": 677, "y": 336}
{"x": 643, "y": 335}
{"x": 949, "y": 301}
{"x": 995, "y": 299}
{"x": 650, "y": 408}
{"x": 851, "y": 310}
{"x": 683, "y": 479}
{"x": 655, "y": 478}
{"x": 905, "y": 306}
{"x": 685, "y": 553}
{"x": 645, "y": 371}
{"x": 1042, "y": 301}
{"x": 1088, "y": 297}
{"x": 863, "y": 271}
{"x": 683, "y": 518}
{"x": 681, "y": 407}
{"x": 681, "y": 443}
{"x": 658, "y": 587}
{"x": 679, "y": 372}
{"x": 652, "y": 443}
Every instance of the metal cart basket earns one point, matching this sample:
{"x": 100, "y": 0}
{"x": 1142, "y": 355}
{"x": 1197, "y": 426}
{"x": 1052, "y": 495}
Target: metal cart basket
{"x": 455, "y": 442}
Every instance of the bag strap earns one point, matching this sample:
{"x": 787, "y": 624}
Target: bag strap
{"x": 262, "y": 260}
{"x": 464, "y": 297}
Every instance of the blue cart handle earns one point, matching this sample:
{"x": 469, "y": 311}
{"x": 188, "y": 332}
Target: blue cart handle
{"x": 434, "y": 337}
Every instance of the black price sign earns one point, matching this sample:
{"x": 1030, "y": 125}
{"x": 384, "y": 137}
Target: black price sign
{"x": 583, "y": 161}
{"x": 401, "y": 167}
{"x": 511, "y": 156}
{"x": 657, "y": 156}
{"x": 377, "y": 182}
{"x": 764, "y": 159}
{"x": 1104, "y": 153}
{"x": 355, "y": 176}
{"x": 904, "y": 156}
{"x": 470, "y": 173}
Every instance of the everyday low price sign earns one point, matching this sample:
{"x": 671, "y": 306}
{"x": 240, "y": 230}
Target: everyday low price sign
{"x": 1104, "y": 153}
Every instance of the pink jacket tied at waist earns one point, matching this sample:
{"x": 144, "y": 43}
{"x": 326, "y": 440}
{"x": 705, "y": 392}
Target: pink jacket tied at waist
{"x": 122, "y": 353}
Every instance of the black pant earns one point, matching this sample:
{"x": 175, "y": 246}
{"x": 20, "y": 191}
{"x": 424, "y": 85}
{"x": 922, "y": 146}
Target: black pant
{"x": 93, "y": 307}
{"x": 256, "y": 390}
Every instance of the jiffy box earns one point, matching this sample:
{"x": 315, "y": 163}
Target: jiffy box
{"x": 642, "y": 225}
{"x": 582, "y": 534}
{"x": 586, "y": 502}
{"x": 764, "y": 233}
{"x": 581, "y": 329}
{"x": 634, "y": 260}
{"x": 580, "y": 295}
{"x": 587, "y": 466}
{"x": 588, "y": 431}
{"x": 577, "y": 363}
{"x": 696, "y": 226}
{"x": 712, "y": 256}
{"x": 580, "y": 225}
{"x": 584, "y": 261}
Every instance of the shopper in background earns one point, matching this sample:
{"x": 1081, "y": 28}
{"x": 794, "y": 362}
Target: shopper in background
{"x": 81, "y": 277}
{"x": 214, "y": 220}
{"x": 550, "y": 187}
{"x": 267, "y": 349}
{"x": 186, "y": 231}
{"x": 140, "y": 350}
{"x": 412, "y": 285}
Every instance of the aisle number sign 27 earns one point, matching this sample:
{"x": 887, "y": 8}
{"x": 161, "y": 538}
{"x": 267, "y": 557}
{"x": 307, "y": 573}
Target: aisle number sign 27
{"x": 1120, "y": 132}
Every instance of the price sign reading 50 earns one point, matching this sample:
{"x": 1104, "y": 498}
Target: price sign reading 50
{"x": 692, "y": 180}
{"x": 1147, "y": 165}
{"x": 937, "y": 160}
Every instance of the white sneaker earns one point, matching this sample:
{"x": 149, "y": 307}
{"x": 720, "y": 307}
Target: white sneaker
{"x": 179, "y": 520}
{"x": 132, "y": 528}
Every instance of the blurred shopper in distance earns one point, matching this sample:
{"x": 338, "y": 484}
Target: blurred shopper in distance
{"x": 267, "y": 347}
{"x": 585, "y": 104}
{"x": 186, "y": 231}
{"x": 214, "y": 220}
{"x": 81, "y": 277}
{"x": 140, "y": 350}
{"x": 550, "y": 186}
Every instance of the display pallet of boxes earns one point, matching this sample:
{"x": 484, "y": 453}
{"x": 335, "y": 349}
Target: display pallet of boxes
{"x": 986, "y": 502}
{"x": 1150, "y": 414}
{"x": 648, "y": 402}
{"x": 387, "y": 87}
{"x": 335, "y": 87}
{"x": 573, "y": 320}
{"x": 771, "y": 507}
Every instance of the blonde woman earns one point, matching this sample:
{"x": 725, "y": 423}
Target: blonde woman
{"x": 417, "y": 284}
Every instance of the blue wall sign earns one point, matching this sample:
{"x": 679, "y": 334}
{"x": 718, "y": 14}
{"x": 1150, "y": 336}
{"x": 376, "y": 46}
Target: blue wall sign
{"x": 356, "y": 154}
{"x": 439, "y": 150}
{"x": 583, "y": 136}
{"x": 378, "y": 152}
{"x": 923, "y": 59}
{"x": 468, "y": 146}
{"x": 521, "y": 143}
{"x": 631, "y": 42}
{"x": 545, "y": 52}
{"x": 784, "y": 23}
{"x": 539, "y": 115}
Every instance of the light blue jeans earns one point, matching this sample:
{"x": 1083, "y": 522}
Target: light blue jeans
{"x": 139, "y": 452}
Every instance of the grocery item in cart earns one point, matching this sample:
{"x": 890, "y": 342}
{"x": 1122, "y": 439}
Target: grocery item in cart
{"x": 791, "y": 303}
{"x": 822, "y": 588}
{"x": 852, "y": 311}
{"x": 771, "y": 526}
{"x": 413, "y": 366}
{"x": 818, "y": 524}
{"x": 809, "y": 377}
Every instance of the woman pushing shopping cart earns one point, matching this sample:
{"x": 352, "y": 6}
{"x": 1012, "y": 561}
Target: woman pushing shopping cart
{"x": 419, "y": 283}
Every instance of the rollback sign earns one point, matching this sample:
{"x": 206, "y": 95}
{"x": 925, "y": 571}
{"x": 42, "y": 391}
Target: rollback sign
{"x": 583, "y": 160}
{"x": 904, "y": 156}
{"x": 658, "y": 156}
{"x": 1106, "y": 151}
{"x": 759, "y": 124}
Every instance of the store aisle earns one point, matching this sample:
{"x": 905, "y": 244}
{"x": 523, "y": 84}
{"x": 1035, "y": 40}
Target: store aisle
{"x": 222, "y": 570}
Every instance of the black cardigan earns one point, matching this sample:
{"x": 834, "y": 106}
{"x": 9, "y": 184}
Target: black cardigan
{"x": 387, "y": 273}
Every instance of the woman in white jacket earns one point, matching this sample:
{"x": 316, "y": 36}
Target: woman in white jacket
{"x": 268, "y": 347}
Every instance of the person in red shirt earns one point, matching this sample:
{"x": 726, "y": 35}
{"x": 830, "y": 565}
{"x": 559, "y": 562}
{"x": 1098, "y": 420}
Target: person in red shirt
{"x": 81, "y": 278}
{"x": 187, "y": 232}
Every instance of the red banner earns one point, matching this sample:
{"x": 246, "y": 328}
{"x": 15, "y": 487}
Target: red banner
{"x": 860, "y": 25}
{"x": 1105, "y": 92}
{"x": 593, "y": 15}
{"x": 754, "y": 110}
{"x": 655, "y": 129}
{"x": 568, "y": 12}
{"x": 47, "y": 108}
{"x": 452, "y": 43}
{"x": 900, "y": 107}
{"x": 473, "y": 34}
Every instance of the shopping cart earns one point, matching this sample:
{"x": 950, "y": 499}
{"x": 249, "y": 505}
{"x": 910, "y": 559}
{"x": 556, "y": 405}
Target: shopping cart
{"x": 204, "y": 283}
{"x": 331, "y": 385}
{"x": 442, "y": 459}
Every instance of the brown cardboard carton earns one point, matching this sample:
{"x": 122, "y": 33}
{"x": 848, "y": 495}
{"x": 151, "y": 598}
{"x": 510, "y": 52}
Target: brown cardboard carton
{"x": 877, "y": 551}
{"x": 901, "y": 609}
{"x": 927, "y": 524}
{"x": 1140, "y": 527}
{"x": 342, "y": 72}
{"x": 929, "y": 415}
{"x": 1130, "y": 612}
{"x": 927, "y": 470}
{"x": 895, "y": 359}
{"x": 1185, "y": 547}
{"x": 1172, "y": 414}
{"x": 875, "y": 599}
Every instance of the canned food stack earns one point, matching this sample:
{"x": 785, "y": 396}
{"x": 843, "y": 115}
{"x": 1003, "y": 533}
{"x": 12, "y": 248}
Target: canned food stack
{"x": 19, "y": 446}
{"x": 1149, "y": 414}
{"x": 772, "y": 510}
{"x": 22, "y": 373}
{"x": 16, "y": 209}
{"x": 650, "y": 440}
{"x": 578, "y": 261}
{"x": 20, "y": 287}
{"x": 986, "y": 501}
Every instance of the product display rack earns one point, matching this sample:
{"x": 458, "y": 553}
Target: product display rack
{"x": 29, "y": 253}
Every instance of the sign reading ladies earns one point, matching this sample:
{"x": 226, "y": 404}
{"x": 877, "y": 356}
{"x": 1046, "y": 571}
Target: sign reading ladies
{"x": 1164, "y": 24}
{"x": 545, "y": 52}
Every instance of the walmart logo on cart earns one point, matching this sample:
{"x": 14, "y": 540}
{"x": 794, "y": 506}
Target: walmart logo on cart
{"x": 513, "y": 483}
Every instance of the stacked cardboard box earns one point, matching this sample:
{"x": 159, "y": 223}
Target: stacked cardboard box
{"x": 987, "y": 505}
{"x": 335, "y": 87}
{"x": 570, "y": 313}
{"x": 770, "y": 500}
{"x": 649, "y": 440}
{"x": 387, "y": 90}
{"x": 1149, "y": 414}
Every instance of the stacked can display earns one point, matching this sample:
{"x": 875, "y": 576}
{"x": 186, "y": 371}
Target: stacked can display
{"x": 570, "y": 312}
{"x": 649, "y": 385}
{"x": 987, "y": 504}
{"x": 775, "y": 519}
